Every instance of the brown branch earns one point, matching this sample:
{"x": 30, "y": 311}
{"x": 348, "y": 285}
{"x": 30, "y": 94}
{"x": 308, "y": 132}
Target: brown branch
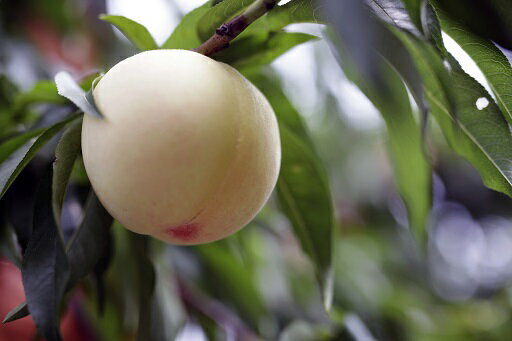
{"x": 230, "y": 30}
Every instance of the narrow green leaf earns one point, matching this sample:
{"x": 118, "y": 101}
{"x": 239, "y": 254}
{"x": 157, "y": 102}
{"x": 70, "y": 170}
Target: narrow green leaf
{"x": 229, "y": 279}
{"x": 303, "y": 187}
{"x": 491, "y": 19}
{"x": 185, "y": 35}
{"x": 218, "y": 14}
{"x": 304, "y": 195}
{"x": 416, "y": 10}
{"x": 42, "y": 92}
{"x": 480, "y": 136}
{"x": 16, "y": 153}
{"x": 491, "y": 61}
{"x": 137, "y": 33}
{"x": 69, "y": 89}
{"x": 260, "y": 49}
{"x": 85, "y": 249}
{"x": 45, "y": 268}
{"x": 65, "y": 155}
{"x": 146, "y": 279}
{"x": 293, "y": 12}
{"x": 17, "y": 313}
{"x": 89, "y": 243}
{"x": 393, "y": 12}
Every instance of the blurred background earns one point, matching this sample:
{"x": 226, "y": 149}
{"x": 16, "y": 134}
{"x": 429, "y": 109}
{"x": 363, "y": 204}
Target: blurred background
{"x": 258, "y": 283}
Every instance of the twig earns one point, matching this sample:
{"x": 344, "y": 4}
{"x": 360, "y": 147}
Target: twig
{"x": 230, "y": 30}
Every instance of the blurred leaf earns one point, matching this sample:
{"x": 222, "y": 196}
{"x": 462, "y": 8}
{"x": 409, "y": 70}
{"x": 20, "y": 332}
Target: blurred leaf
{"x": 260, "y": 49}
{"x": 416, "y": 10}
{"x": 303, "y": 188}
{"x": 45, "y": 269}
{"x": 491, "y": 61}
{"x": 146, "y": 279}
{"x": 137, "y": 33}
{"x": 491, "y": 19}
{"x": 305, "y": 198}
{"x": 411, "y": 167}
{"x": 69, "y": 89}
{"x": 231, "y": 281}
{"x": 42, "y": 92}
{"x": 89, "y": 243}
{"x": 65, "y": 155}
{"x": 481, "y": 136}
{"x": 357, "y": 30}
{"x": 218, "y": 14}
{"x": 17, "y": 152}
{"x": 185, "y": 35}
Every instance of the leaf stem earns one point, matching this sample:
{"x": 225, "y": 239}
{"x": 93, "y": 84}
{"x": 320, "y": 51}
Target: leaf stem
{"x": 231, "y": 29}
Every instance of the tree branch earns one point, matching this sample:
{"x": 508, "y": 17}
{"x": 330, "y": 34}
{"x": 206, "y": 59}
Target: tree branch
{"x": 230, "y": 30}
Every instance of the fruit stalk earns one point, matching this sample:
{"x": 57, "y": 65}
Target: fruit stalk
{"x": 231, "y": 29}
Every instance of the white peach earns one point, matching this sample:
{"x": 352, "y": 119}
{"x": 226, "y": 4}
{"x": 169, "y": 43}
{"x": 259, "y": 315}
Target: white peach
{"x": 188, "y": 150}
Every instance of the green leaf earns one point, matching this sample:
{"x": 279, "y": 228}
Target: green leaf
{"x": 303, "y": 188}
{"x": 42, "y": 92}
{"x": 17, "y": 152}
{"x": 230, "y": 280}
{"x": 491, "y": 61}
{"x": 69, "y": 89}
{"x": 146, "y": 279}
{"x": 260, "y": 49}
{"x": 185, "y": 35}
{"x": 90, "y": 242}
{"x": 218, "y": 14}
{"x": 491, "y": 19}
{"x": 137, "y": 33}
{"x": 17, "y": 313}
{"x": 45, "y": 268}
{"x": 65, "y": 155}
{"x": 480, "y": 136}
{"x": 416, "y": 10}
{"x": 85, "y": 249}
{"x": 293, "y": 12}
{"x": 305, "y": 198}
{"x": 393, "y": 12}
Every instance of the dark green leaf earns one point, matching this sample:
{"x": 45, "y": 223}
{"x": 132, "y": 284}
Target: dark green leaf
{"x": 231, "y": 281}
{"x": 146, "y": 279}
{"x": 393, "y": 12}
{"x": 260, "y": 49}
{"x": 69, "y": 89}
{"x": 491, "y": 19}
{"x": 45, "y": 268}
{"x": 218, "y": 14}
{"x": 416, "y": 10}
{"x": 65, "y": 155}
{"x": 42, "y": 92}
{"x": 185, "y": 35}
{"x": 17, "y": 152}
{"x": 481, "y": 136}
{"x": 303, "y": 188}
{"x": 293, "y": 12}
{"x": 89, "y": 243}
{"x": 135, "y": 32}
{"x": 17, "y": 313}
{"x": 411, "y": 167}
{"x": 305, "y": 198}
{"x": 491, "y": 61}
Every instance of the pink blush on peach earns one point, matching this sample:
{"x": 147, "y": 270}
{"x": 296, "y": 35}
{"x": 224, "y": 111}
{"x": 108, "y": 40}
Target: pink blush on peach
{"x": 185, "y": 232}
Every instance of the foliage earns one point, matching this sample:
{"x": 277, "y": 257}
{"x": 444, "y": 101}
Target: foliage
{"x": 271, "y": 280}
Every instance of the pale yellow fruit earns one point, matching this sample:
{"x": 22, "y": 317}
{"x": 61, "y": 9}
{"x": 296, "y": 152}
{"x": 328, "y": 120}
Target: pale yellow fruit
{"x": 188, "y": 150}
